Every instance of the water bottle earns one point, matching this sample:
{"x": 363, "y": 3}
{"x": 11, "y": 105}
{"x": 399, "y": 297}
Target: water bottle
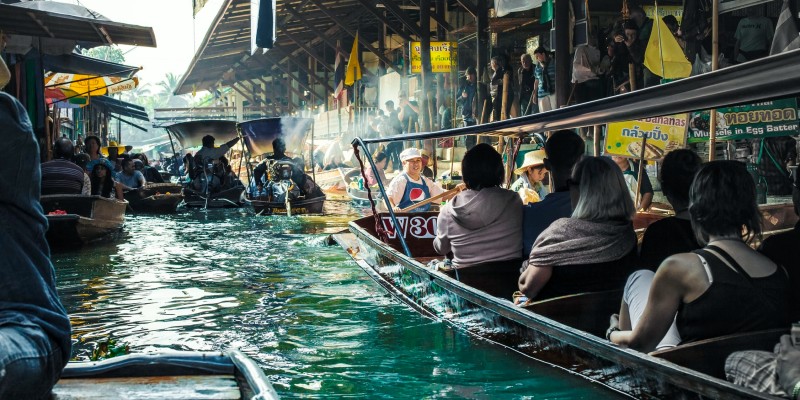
{"x": 360, "y": 183}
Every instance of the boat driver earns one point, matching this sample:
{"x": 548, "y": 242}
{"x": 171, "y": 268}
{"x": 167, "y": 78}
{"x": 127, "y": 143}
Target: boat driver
{"x": 279, "y": 154}
{"x": 410, "y": 186}
{"x": 209, "y": 154}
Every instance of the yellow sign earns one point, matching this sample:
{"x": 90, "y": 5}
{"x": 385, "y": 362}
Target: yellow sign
{"x": 663, "y": 11}
{"x": 664, "y": 134}
{"x": 444, "y": 56}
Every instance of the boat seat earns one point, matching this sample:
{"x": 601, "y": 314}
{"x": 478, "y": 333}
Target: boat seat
{"x": 223, "y": 387}
{"x": 708, "y": 356}
{"x": 588, "y": 312}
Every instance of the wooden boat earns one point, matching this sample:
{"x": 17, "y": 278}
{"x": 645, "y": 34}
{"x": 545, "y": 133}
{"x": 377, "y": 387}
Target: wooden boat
{"x": 173, "y": 375}
{"x": 190, "y": 134}
{"x": 566, "y": 331}
{"x": 155, "y": 198}
{"x": 75, "y": 219}
{"x": 358, "y": 195}
{"x": 258, "y": 136}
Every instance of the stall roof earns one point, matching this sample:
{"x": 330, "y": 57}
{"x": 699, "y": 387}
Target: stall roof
{"x": 24, "y": 19}
{"x": 120, "y": 107}
{"x": 78, "y": 64}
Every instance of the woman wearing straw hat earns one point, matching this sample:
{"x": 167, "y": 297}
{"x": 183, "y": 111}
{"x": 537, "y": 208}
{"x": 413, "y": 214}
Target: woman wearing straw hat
{"x": 531, "y": 174}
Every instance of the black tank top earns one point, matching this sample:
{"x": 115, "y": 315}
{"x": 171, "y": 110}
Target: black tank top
{"x": 732, "y": 304}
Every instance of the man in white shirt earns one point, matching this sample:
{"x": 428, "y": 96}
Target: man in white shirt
{"x": 410, "y": 187}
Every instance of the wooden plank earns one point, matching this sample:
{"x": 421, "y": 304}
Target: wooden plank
{"x": 217, "y": 387}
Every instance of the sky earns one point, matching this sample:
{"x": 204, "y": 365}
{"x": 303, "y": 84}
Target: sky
{"x": 177, "y": 33}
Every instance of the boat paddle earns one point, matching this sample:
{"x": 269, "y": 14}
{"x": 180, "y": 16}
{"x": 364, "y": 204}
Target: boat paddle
{"x": 432, "y": 199}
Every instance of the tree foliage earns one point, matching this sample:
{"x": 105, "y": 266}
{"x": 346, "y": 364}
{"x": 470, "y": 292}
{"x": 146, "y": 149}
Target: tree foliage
{"x": 105, "y": 53}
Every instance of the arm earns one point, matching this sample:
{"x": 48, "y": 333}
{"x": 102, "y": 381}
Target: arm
{"x": 87, "y": 185}
{"x": 533, "y": 279}
{"x": 118, "y": 190}
{"x": 140, "y": 179}
{"x": 395, "y": 191}
{"x": 666, "y": 293}
{"x": 231, "y": 142}
{"x": 647, "y": 199}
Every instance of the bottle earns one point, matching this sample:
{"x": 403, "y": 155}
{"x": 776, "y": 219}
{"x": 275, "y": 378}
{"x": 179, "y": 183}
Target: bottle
{"x": 761, "y": 191}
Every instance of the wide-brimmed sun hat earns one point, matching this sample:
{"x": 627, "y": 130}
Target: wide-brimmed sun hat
{"x": 410, "y": 154}
{"x": 120, "y": 148}
{"x": 532, "y": 159}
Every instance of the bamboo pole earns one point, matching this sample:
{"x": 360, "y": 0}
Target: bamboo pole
{"x": 641, "y": 173}
{"x": 712, "y": 122}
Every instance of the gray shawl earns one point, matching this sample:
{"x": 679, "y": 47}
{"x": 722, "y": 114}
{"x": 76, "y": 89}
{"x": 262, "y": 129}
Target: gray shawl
{"x": 572, "y": 241}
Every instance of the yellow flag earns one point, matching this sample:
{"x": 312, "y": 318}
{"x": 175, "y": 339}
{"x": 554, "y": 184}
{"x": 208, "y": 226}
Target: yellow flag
{"x": 664, "y": 56}
{"x": 353, "y": 72}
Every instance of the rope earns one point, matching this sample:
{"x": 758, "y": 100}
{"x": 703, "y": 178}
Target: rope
{"x": 383, "y": 235}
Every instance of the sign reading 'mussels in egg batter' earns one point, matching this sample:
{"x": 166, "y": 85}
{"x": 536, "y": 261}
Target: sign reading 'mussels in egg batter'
{"x": 664, "y": 134}
{"x": 765, "y": 119}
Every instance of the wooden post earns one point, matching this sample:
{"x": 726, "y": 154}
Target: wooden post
{"x": 598, "y": 145}
{"x": 425, "y": 53}
{"x": 482, "y": 52}
{"x": 641, "y": 173}
{"x": 563, "y": 59}
{"x": 712, "y": 122}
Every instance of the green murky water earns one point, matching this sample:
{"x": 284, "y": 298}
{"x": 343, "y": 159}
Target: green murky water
{"x": 315, "y": 322}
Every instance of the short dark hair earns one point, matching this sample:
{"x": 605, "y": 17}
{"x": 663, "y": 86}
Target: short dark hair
{"x": 278, "y": 143}
{"x": 63, "y": 149}
{"x": 482, "y": 167}
{"x": 126, "y": 161}
{"x": 82, "y": 159}
{"x": 208, "y": 141}
{"x": 723, "y": 200}
{"x": 677, "y": 173}
{"x": 564, "y": 149}
{"x": 389, "y": 102}
{"x": 470, "y": 71}
{"x": 90, "y": 138}
{"x": 540, "y": 50}
{"x": 380, "y": 156}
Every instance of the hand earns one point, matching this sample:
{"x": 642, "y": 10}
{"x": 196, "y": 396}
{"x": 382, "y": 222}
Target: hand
{"x": 613, "y": 326}
{"x": 464, "y": 95}
{"x": 619, "y": 38}
{"x": 461, "y": 186}
{"x": 396, "y": 209}
{"x": 788, "y": 364}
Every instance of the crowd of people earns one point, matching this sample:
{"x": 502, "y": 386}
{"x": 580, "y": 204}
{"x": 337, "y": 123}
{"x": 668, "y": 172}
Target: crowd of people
{"x": 684, "y": 283}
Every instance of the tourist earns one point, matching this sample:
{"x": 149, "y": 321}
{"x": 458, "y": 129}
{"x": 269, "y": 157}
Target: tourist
{"x": 92, "y": 146}
{"x": 130, "y": 178}
{"x": 672, "y": 235}
{"x": 473, "y": 223}
{"x": 381, "y": 160}
{"x": 62, "y": 176}
{"x": 391, "y": 126}
{"x": 426, "y": 162}
{"x": 595, "y": 248}
{"x": 150, "y": 173}
{"x": 722, "y": 289}
{"x": 499, "y": 84}
{"x": 775, "y": 373}
{"x": 410, "y": 187}
{"x": 545, "y": 73}
{"x": 782, "y": 249}
{"x": 632, "y": 179}
{"x": 526, "y": 86}
{"x": 531, "y": 173}
{"x": 564, "y": 149}
{"x": 35, "y": 342}
{"x": 103, "y": 183}
{"x": 753, "y": 36}
{"x": 116, "y": 153}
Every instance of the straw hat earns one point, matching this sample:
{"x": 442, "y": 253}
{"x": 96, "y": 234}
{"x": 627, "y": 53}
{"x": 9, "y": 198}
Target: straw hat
{"x": 532, "y": 159}
{"x": 120, "y": 148}
{"x": 410, "y": 154}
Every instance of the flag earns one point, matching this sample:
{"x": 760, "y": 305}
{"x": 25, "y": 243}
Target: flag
{"x": 547, "y": 12}
{"x": 338, "y": 73}
{"x": 786, "y": 35}
{"x": 504, "y": 7}
{"x": 664, "y": 56}
{"x": 353, "y": 72}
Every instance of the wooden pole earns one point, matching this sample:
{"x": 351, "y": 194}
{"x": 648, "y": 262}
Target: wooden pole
{"x": 712, "y": 122}
{"x": 641, "y": 173}
{"x": 598, "y": 145}
{"x": 426, "y": 74}
{"x": 430, "y": 200}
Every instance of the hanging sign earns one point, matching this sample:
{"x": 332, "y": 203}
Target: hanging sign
{"x": 663, "y": 11}
{"x": 664, "y": 134}
{"x": 764, "y": 119}
{"x": 444, "y": 56}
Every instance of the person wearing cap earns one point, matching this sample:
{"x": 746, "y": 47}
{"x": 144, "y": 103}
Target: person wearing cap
{"x": 130, "y": 178}
{"x": 410, "y": 186}
{"x": 426, "y": 162}
{"x": 531, "y": 173}
{"x": 116, "y": 153}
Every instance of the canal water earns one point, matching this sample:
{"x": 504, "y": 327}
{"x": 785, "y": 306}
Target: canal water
{"x": 271, "y": 287}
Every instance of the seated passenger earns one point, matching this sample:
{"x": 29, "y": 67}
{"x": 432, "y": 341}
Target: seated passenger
{"x": 531, "y": 174}
{"x": 150, "y": 173}
{"x": 724, "y": 288}
{"x": 782, "y": 250}
{"x": 381, "y": 159}
{"x": 62, "y": 176}
{"x": 775, "y": 373}
{"x": 92, "y": 147}
{"x": 672, "y": 235}
{"x": 481, "y": 224}
{"x": 595, "y": 248}
{"x": 410, "y": 187}
{"x": 103, "y": 184}
{"x": 130, "y": 178}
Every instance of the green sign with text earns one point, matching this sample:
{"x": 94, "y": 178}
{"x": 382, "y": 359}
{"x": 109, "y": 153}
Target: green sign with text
{"x": 751, "y": 121}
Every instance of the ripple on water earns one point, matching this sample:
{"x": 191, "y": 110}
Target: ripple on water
{"x": 320, "y": 328}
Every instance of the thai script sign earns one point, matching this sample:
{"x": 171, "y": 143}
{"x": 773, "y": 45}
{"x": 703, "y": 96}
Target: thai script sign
{"x": 765, "y": 119}
{"x": 664, "y": 134}
{"x": 443, "y": 56}
{"x": 663, "y": 11}
{"x": 419, "y": 227}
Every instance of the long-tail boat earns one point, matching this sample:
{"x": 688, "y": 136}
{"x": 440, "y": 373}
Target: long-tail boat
{"x": 258, "y": 136}
{"x": 569, "y": 331}
{"x": 190, "y": 134}
{"x": 158, "y": 198}
{"x": 75, "y": 220}
{"x": 170, "y": 375}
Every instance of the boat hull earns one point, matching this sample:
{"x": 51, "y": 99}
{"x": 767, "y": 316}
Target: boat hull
{"x": 158, "y": 198}
{"x": 298, "y": 207}
{"x": 80, "y": 219}
{"x": 540, "y": 331}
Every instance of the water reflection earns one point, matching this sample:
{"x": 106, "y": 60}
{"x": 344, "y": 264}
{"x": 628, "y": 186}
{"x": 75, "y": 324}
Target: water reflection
{"x": 320, "y": 328}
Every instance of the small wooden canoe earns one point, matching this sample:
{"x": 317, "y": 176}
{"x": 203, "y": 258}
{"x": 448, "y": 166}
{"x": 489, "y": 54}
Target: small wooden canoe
{"x": 173, "y": 375}
{"x": 229, "y": 198}
{"x": 298, "y": 207}
{"x": 567, "y": 331}
{"x": 156, "y": 198}
{"x": 75, "y": 219}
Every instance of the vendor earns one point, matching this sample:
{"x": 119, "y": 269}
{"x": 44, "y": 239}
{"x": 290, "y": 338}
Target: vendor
{"x": 631, "y": 179}
{"x": 531, "y": 173}
{"x": 410, "y": 186}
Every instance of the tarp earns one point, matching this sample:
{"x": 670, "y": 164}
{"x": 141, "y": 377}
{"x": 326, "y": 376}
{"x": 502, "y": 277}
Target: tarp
{"x": 259, "y": 134}
{"x": 190, "y": 133}
{"x": 78, "y": 64}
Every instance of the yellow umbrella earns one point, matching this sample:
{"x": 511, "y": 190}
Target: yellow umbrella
{"x": 88, "y": 85}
